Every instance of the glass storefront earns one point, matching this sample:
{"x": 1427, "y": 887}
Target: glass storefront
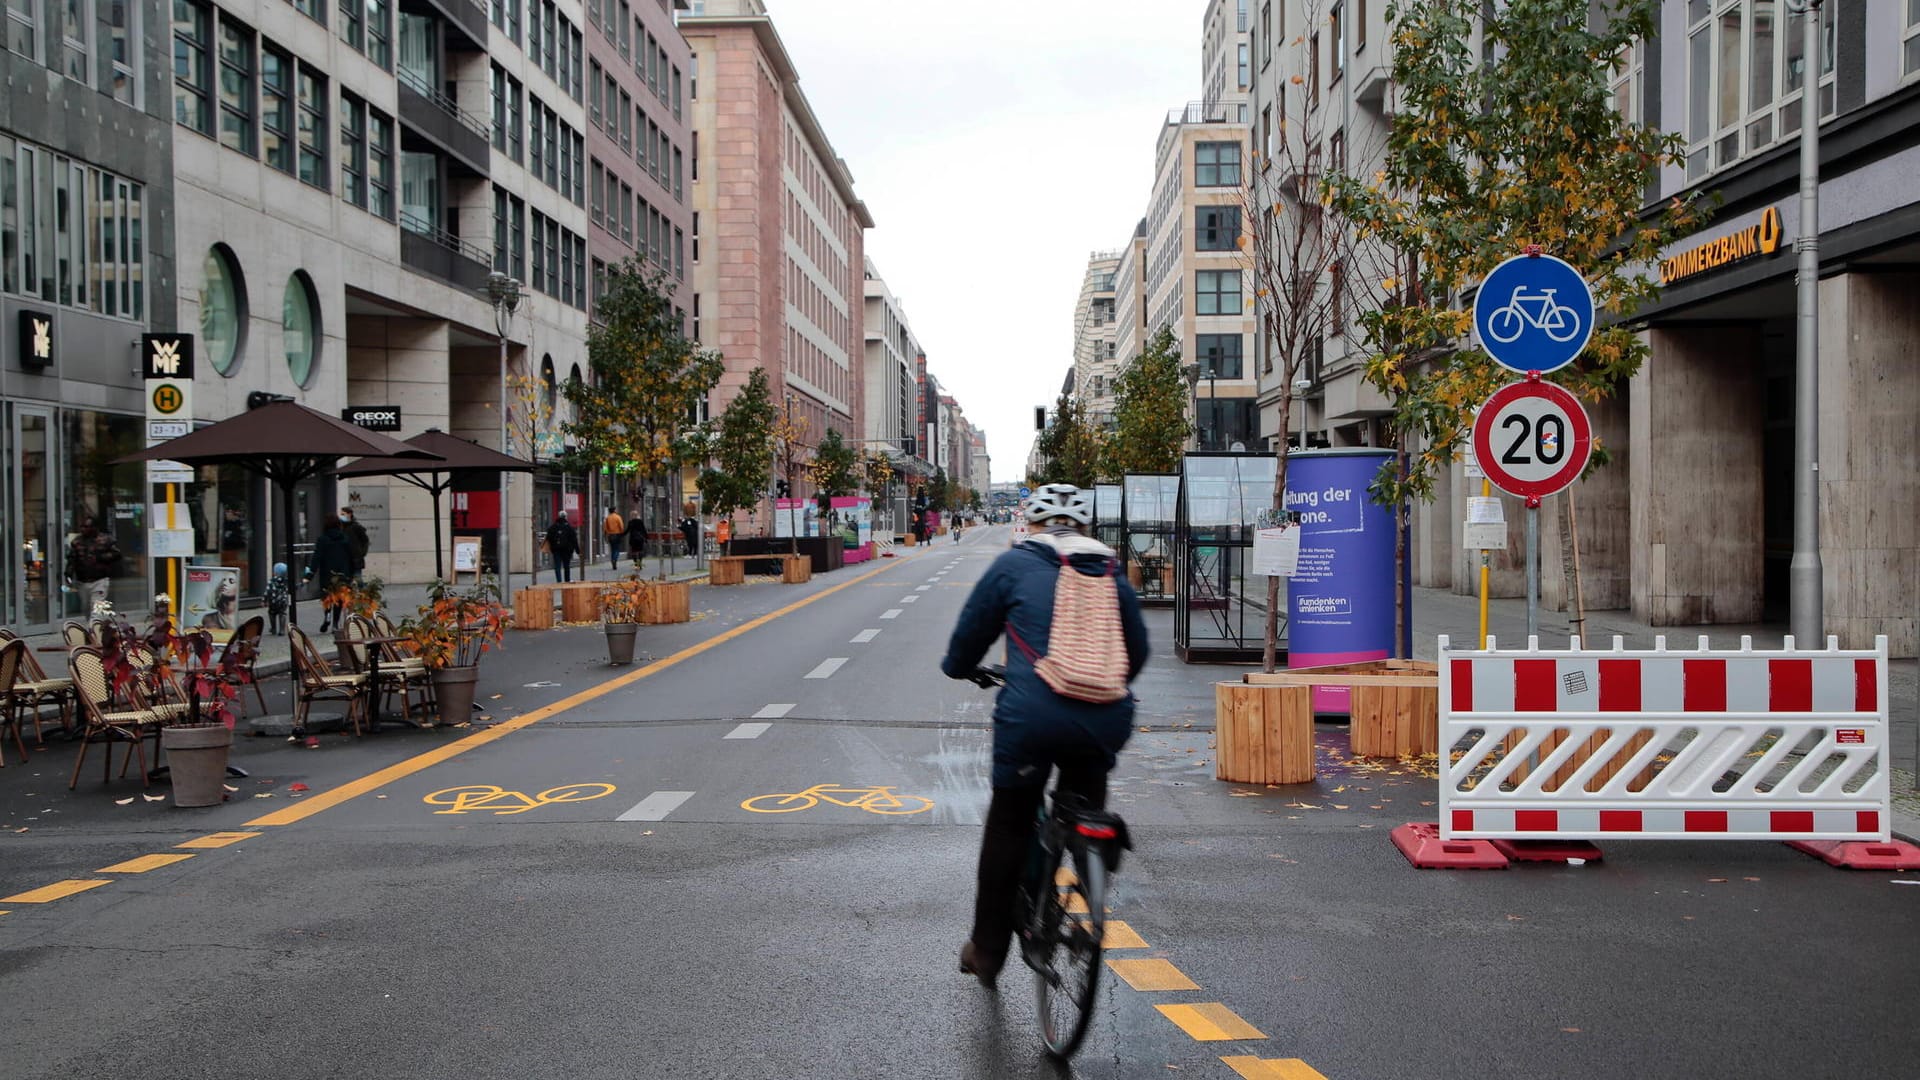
{"x": 60, "y": 472}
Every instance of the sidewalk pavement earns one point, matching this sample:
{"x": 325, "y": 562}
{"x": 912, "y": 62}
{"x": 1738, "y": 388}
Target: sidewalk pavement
{"x": 404, "y": 599}
{"x": 1436, "y": 612}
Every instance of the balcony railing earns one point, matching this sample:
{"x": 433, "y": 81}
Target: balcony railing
{"x": 432, "y": 250}
{"x": 1198, "y": 112}
{"x": 419, "y": 85}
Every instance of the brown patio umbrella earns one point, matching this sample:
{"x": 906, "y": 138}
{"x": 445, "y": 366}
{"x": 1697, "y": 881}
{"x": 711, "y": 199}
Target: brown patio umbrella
{"x": 459, "y": 459}
{"x": 286, "y": 442}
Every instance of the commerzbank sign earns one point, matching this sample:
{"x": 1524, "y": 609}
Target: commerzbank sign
{"x": 1751, "y": 242}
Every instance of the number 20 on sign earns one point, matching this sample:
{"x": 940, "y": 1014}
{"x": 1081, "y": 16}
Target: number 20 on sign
{"x": 1533, "y": 439}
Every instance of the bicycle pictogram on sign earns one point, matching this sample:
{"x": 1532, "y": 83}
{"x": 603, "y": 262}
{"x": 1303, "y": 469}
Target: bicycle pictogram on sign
{"x": 1533, "y": 313}
{"x": 496, "y": 800}
{"x": 874, "y": 800}
{"x": 1537, "y": 310}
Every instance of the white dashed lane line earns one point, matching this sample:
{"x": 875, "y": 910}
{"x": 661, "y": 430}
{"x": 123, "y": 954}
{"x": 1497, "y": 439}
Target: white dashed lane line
{"x": 890, "y": 613}
{"x": 749, "y": 730}
{"x": 827, "y": 668}
{"x": 864, "y": 636}
{"x": 921, "y": 588}
{"x": 910, "y": 599}
{"x": 774, "y": 711}
{"x": 656, "y": 806}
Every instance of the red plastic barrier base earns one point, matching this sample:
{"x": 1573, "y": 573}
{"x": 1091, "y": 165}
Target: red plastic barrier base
{"x": 1547, "y": 850}
{"x": 1862, "y": 854}
{"x": 1420, "y": 842}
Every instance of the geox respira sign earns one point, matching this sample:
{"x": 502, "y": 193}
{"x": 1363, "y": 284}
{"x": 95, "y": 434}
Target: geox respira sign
{"x": 373, "y": 417}
{"x": 1751, "y": 242}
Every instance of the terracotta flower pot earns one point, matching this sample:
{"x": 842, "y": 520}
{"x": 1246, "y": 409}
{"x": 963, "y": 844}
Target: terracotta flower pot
{"x": 453, "y": 690}
{"x": 197, "y": 763}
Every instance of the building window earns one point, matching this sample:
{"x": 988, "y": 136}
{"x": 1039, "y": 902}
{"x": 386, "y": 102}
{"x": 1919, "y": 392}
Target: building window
{"x": 676, "y": 93}
{"x": 223, "y": 306}
{"x": 624, "y": 32}
{"x": 353, "y": 150}
{"x": 379, "y": 164}
{"x": 312, "y": 9}
{"x": 1336, "y": 37}
{"x": 696, "y": 237}
{"x": 596, "y": 92}
{"x": 300, "y": 327}
{"x": 192, "y": 105}
{"x": 1216, "y": 292}
{"x": 276, "y": 107}
{"x": 679, "y": 254}
{"x": 121, "y": 49}
{"x": 1216, "y": 164}
{"x": 76, "y": 44}
{"x": 1220, "y": 355}
{"x": 597, "y": 193}
{"x": 1337, "y": 298}
{"x": 236, "y": 87}
{"x": 1625, "y": 81}
{"x": 1313, "y": 70}
{"x": 23, "y": 28}
{"x": 626, "y": 215}
{"x": 312, "y": 101}
{"x": 1246, "y": 68}
{"x": 1216, "y": 228}
{"x": 516, "y": 98}
{"x": 1744, "y": 79}
{"x": 626, "y": 122}
{"x": 1910, "y": 50}
{"x": 352, "y": 29}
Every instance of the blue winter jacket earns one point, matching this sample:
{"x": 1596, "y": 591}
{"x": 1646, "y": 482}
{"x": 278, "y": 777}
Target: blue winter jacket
{"x": 1029, "y": 719}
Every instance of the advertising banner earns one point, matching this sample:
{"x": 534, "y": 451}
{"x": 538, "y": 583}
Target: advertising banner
{"x": 856, "y": 519}
{"x": 795, "y": 517}
{"x": 210, "y": 596}
{"x": 1340, "y": 598}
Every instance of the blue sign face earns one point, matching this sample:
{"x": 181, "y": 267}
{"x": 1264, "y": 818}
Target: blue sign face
{"x": 1533, "y": 313}
{"x": 1025, "y": 491}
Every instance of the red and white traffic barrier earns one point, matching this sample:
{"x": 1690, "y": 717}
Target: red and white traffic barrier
{"x": 1582, "y": 744}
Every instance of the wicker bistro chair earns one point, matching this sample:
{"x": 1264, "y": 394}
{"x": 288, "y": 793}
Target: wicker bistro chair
{"x": 248, "y": 635}
{"x": 403, "y": 675}
{"x": 318, "y": 681}
{"x": 76, "y": 634}
{"x": 41, "y": 690}
{"x": 103, "y": 721}
{"x": 400, "y": 652}
{"x": 11, "y": 698}
{"x": 155, "y": 688}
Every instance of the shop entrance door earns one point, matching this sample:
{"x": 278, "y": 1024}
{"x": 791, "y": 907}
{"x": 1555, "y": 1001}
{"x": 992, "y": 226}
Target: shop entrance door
{"x": 33, "y": 563}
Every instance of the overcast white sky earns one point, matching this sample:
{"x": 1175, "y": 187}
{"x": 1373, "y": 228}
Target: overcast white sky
{"x": 997, "y": 143}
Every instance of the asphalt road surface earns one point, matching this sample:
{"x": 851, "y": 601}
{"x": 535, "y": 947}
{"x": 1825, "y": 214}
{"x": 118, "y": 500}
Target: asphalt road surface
{"x": 573, "y": 888}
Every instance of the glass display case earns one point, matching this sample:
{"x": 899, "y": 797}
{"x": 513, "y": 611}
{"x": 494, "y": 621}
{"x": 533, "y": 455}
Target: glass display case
{"x": 1220, "y": 608}
{"x": 1146, "y": 535}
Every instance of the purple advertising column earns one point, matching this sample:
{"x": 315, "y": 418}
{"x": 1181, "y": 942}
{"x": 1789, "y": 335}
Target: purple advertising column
{"x": 1340, "y": 599}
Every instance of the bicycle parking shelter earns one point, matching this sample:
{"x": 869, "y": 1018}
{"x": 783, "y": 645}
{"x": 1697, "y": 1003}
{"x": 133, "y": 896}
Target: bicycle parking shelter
{"x": 1146, "y": 549}
{"x": 1220, "y": 606}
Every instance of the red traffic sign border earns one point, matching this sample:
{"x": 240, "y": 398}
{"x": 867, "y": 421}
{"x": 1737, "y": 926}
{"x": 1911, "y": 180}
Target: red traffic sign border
{"x": 1580, "y": 445}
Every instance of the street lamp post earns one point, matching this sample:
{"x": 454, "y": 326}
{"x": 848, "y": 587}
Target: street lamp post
{"x": 1806, "y": 618}
{"x": 503, "y": 293}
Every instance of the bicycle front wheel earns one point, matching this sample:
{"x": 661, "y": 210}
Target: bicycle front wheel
{"x": 1073, "y": 917}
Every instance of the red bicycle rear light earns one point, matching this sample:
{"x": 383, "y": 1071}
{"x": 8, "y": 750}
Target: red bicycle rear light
{"x": 1097, "y": 832}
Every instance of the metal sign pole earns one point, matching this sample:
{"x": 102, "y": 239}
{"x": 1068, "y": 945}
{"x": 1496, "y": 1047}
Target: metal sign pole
{"x": 1533, "y": 567}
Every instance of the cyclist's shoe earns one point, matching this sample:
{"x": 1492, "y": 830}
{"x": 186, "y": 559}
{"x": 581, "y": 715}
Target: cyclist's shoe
{"x": 979, "y": 963}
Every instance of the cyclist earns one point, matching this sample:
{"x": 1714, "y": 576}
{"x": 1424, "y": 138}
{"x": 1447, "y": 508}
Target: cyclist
{"x": 1035, "y": 729}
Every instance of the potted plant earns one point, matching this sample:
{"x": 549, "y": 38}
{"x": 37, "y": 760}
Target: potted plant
{"x": 621, "y": 605}
{"x": 198, "y": 741}
{"x": 454, "y": 628}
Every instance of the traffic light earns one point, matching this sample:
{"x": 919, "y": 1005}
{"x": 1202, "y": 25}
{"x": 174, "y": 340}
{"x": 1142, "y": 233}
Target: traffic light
{"x": 1039, "y": 418}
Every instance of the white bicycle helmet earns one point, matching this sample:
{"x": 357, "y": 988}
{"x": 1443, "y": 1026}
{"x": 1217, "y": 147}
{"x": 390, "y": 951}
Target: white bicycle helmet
{"x": 1050, "y": 501}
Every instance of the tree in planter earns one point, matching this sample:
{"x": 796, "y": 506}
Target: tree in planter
{"x": 789, "y": 439}
{"x": 1486, "y": 158}
{"x": 835, "y": 468}
{"x": 648, "y": 377}
{"x": 1150, "y": 425}
{"x": 1070, "y": 447}
{"x": 742, "y": 450}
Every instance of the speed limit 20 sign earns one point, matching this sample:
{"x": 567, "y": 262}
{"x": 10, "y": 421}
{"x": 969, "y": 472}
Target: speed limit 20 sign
{"x": 1532, "y": 438}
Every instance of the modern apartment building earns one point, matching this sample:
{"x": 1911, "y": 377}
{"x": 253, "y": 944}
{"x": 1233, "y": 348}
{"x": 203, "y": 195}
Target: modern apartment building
{"x": 1130, "y": 298}
{"x": 780, "y": 280}
{"x": 1095, "y": 356}
{"x": 890, "y": 390}
{"x": 86, "y": 267}
{"x": 1693, "y": 520}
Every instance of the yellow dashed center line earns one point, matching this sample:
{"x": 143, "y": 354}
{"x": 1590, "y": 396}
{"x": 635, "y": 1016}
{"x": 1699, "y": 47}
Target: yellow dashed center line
{"x": 142, "y": 864}
{"x": 46, "y": 894}
{"x": 1210, "y": 1022}
{"x": 1151, "y": 974}
{"x": 1253, "y": 1068}
{"x": 1119, "y": 935}
{"x": 217, "y": 840}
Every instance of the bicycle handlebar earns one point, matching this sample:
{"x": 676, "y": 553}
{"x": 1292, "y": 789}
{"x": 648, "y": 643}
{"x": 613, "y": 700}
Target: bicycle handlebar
{"x": 989, "y": 676}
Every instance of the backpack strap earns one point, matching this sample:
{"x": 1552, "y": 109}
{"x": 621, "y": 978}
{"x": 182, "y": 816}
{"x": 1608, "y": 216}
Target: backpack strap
{"x": 1019, "y": 643}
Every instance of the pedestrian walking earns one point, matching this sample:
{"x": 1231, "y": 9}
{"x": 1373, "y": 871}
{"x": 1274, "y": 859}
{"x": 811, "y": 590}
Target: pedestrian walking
{"x": 92, "y": 560}
{"x": 330, "y": 568}
{"x": 358, "y": 544}
{"x": 563, "y": 542}
{"x": 690, "y": 531}
{"x": 275, "y": 595}
{"x": 637, "y": 541}
{"x": 614, "y": 528}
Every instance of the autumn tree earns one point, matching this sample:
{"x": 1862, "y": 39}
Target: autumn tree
{"x": 1070, "y": 447}
{"x": 1502, "y": 142}
{"x": 530, "y": 415}
{"x": 1150, "y": 425}
{"x": 835, "y": 468}
{"x": 648, "y": 378}
{"x": 741, "y": 450}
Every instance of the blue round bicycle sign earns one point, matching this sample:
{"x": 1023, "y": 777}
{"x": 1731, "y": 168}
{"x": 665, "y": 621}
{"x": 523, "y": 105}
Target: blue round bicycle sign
{"x": 1533, "y": 313}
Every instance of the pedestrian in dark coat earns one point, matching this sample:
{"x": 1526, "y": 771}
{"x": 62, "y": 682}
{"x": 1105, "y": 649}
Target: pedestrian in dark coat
{"x": 637, "y": 541}
{"x": 563, "y": 542}
{"x": 330, "y": 567}
{"x": 357, "y": 540}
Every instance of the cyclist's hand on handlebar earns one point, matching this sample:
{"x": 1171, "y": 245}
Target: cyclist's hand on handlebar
{"x": 989, "y": 676}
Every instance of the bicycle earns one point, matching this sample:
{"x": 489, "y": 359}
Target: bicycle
{"x": 1558, "y": 322}
{"x": 1061, "y": 912}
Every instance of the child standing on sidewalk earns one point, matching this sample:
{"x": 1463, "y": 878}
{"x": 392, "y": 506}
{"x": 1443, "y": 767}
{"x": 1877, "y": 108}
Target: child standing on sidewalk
{"x": 276, "y": 597}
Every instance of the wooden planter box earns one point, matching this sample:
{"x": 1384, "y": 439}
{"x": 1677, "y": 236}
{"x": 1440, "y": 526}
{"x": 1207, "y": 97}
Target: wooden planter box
{"x": 912, "y": 540}
{"x": 1395, "y": 704}
{"x": 796, "y": 569}
{"x": 533, "y": 608}
{"x": 579, "y": 601}
{"x": 727, "y": 570}
{"x": 666, "y": 602}
{"x": 1263, "y": 734}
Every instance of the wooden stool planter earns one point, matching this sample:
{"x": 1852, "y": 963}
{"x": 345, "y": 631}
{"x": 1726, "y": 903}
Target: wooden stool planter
{"x": 1395, "y": 704}
{"x": 666, "y": 602}
{"x": 579, "y": 601}
{"x": 796, "y": 569}
{"x": 1263, "y": 734}
{"x": 727, "y": 570}
{"x": 912, "y": 540}
{"x": 533, "y": 608}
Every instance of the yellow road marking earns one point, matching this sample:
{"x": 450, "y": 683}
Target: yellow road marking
{"x": 1065, "y": 876}
{"x": 46, "y": 894}
{"x": 1211, "y": 1022}
{"x": 1119, "y": 935}
{"x": 1253, "y": 1068}
{"x": 1152, "y": 974}
{"x": 142, "y": 864}
{"x": 312, "y": 805}
{"x": 473, "y": 798}
{"x": 217, "y": 840}
{"x": 1076, "y": 904}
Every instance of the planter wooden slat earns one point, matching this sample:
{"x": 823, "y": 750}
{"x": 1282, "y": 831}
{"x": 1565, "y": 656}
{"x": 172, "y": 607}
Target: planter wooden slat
{"x": 533, "y": 608}
{"x": 727, "y": 570}
{"x": 666, "y": 602}
{"x": 579, "y": 604}
{"x": 1263, "y": 734}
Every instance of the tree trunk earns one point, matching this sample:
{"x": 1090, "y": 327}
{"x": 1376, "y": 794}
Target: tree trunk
{"x": 1269, "y": 653}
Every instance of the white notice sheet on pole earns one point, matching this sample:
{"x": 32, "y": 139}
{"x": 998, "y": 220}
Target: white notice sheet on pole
{"x": 1276, "y": 552}
{"x": 1485, "y": 511}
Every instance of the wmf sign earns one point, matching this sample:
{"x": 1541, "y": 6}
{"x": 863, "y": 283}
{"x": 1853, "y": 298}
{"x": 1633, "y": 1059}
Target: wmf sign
{"x": 36, "y": 340}
{"x": 166, "y": 363}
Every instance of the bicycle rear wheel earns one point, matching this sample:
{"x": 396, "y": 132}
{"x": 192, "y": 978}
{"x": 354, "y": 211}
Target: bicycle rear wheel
{"x": 1072, "y": 922}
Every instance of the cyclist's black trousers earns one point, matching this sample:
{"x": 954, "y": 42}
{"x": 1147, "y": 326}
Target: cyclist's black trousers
{"x": 1007, "y": 845}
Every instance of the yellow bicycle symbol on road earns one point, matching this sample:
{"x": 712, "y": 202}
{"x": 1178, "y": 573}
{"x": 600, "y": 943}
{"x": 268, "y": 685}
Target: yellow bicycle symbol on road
{"x": 474, "y": 798}
{"x": 874, "y": 800}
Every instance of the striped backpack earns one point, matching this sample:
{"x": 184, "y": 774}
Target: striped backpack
{"x": 1086, "y": 648}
